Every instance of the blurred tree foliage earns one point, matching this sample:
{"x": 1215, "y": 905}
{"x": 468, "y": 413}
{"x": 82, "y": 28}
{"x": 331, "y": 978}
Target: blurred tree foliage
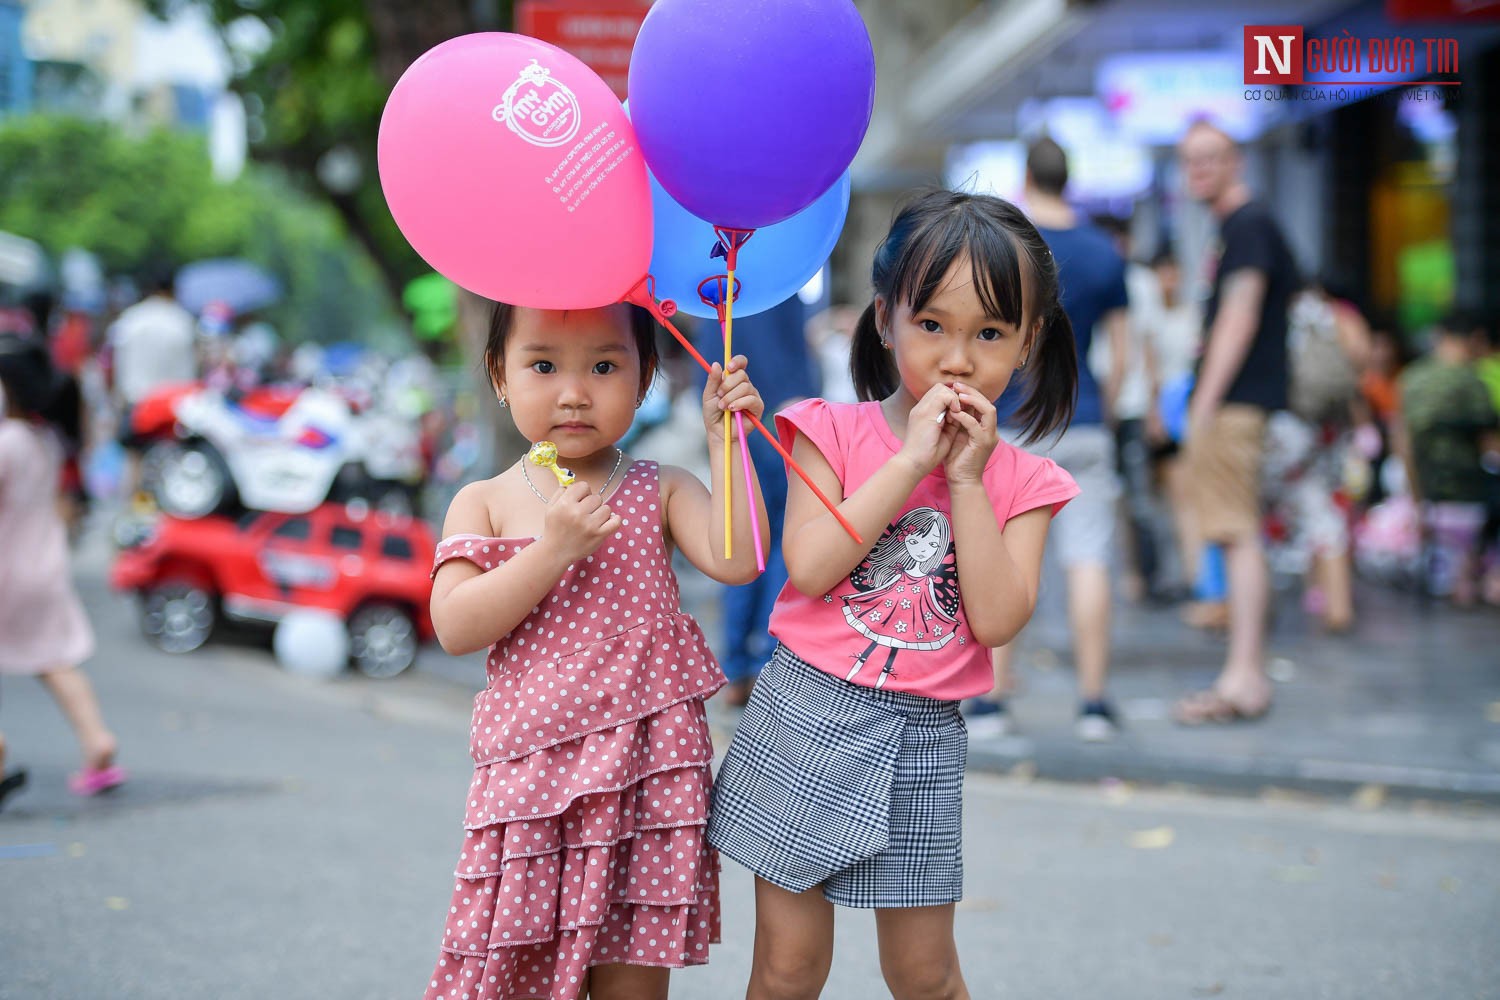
{"x": 313, "y": 97}
{"x": 314, "y": 94}
{"x": 150, "y": 201}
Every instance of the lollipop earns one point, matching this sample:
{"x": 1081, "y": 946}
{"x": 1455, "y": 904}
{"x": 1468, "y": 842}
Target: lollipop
{"x": 544, "y": 453}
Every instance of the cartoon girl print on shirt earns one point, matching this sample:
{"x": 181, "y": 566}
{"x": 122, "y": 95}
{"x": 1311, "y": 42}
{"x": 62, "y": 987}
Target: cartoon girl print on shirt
{"x": 908, "y": 590}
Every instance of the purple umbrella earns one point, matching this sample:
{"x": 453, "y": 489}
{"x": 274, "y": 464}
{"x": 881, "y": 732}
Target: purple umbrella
{"x": 239, "y": 284}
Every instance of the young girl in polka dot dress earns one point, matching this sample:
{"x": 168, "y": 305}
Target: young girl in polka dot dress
{"x": 585, "y": 870}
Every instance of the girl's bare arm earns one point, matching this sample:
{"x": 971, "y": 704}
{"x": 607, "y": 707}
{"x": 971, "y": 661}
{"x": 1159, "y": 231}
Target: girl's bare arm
{"x": 819, "y": 552}
{"x": 474, "y": 608}
{"x": 999, "y": 569}
{"x": 695, "y": 520}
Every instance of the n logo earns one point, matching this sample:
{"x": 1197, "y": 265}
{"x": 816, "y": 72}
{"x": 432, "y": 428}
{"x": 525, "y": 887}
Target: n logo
{"x": 1273, "y": 53}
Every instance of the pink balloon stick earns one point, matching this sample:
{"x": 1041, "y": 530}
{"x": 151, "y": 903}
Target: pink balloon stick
{"x": 760, "y": 554}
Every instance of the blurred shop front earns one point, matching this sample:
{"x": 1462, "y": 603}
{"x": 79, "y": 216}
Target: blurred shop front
{"x": 1386, "y": 187}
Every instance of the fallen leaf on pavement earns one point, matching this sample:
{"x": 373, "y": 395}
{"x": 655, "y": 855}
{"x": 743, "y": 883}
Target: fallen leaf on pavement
{"x": 1368, "y": 797}
{"x": 1154, "y": 839}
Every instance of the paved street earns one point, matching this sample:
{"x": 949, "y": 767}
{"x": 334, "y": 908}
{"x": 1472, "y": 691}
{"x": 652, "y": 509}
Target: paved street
{"x": 290, "y": 839}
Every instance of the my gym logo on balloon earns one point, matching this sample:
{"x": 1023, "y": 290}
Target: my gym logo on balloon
{"x": 545, "y": 114}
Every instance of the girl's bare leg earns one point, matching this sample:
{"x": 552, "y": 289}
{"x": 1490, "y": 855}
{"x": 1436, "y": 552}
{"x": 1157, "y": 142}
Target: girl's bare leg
{"x": 71, "y": 689}
{"x": 627, "y": 982}
{"x": 918, "y": 956}
{"x": 793, "y": 943}
{"x": 1336, "y": 575}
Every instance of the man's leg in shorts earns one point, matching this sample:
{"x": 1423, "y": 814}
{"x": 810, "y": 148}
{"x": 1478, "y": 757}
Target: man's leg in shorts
{"x": 1084, "y": 535}
{"x": 1224, "y": 469}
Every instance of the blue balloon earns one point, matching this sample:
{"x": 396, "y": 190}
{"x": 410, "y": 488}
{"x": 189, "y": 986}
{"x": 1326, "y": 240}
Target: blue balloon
{"x": 777, "y": 261}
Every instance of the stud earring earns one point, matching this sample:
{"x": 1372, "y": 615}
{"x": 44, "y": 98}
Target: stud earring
{"x": 500, "y": 397}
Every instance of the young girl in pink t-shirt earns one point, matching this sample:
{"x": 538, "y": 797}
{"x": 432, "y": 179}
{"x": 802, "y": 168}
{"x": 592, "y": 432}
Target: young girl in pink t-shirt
{"x": 846, "y": 773}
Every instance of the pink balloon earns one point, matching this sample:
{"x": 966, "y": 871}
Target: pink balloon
{"x": 511, "y": 168}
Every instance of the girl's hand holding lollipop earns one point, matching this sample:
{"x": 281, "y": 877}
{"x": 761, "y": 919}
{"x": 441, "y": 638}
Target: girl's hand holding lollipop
{"x": 578, "y": 521}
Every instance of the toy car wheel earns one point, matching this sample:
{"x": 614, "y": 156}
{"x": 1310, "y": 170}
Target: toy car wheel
{"x": 191, "y": 481}
{"x": 382, "y": 640}
{"x": 152, "y": 458}
{"x": 177, "y": 617}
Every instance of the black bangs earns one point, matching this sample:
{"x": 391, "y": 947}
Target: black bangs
{"x": 642, "y": 330}
{"x": 948, "y": 233}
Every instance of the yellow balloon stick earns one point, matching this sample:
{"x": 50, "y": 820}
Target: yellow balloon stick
{"x": 728, "y": 449}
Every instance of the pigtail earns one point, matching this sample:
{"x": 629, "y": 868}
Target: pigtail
{"x": 1051, "y": 378}
{"x": 870, "y": 363}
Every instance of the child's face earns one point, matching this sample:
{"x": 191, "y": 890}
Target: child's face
{"x": 951, "y": 339}
{"x": 572, "y": 378}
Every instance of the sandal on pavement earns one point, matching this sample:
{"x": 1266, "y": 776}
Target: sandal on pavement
{"x": 11, "y": 783}
{"x": 92, "y": 781}
{"x": 1211, "y": 707}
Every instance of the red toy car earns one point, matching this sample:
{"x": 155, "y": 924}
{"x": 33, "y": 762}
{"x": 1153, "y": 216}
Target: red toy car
{"x": 370, "y": 569}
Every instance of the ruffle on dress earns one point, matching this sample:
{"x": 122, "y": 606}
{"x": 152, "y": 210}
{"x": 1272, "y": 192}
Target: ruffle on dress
{"x": 617, "y": 679}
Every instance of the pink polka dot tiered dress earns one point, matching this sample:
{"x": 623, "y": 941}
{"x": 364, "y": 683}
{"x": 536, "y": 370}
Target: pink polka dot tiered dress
{"x": 584, "y": 829}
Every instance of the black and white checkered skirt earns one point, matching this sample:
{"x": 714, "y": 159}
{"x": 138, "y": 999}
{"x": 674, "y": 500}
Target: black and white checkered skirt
{"x": 832, "y": 783}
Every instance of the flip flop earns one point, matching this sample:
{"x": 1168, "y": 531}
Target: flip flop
{"x": 1212, "y": 708}
{"x": 92, "y": 781}
{"x": 12, "y": 782}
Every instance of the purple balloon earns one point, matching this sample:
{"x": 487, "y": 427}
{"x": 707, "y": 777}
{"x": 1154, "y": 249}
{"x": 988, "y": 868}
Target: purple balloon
{"x": 748, "y": 110}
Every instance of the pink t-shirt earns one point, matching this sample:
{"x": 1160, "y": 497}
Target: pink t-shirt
{"x": 897, "y": 620}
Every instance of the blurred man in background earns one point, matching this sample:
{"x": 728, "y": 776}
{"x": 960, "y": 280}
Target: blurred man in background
{"x": 151, "y": 344}
{"x": 1242, "y": 378}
